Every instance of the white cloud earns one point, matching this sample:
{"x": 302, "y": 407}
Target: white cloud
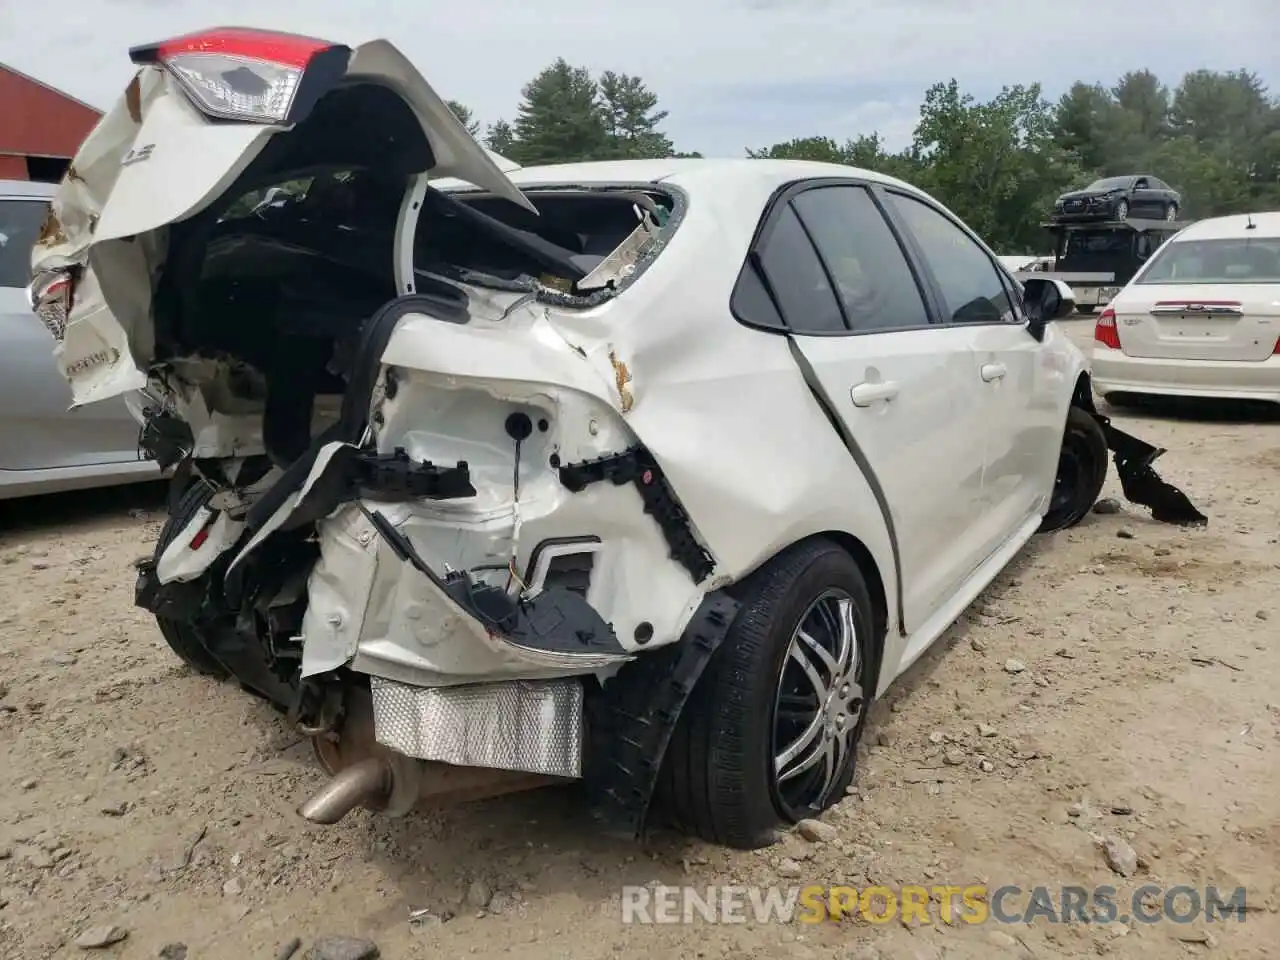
{"x": 733, "y": 73}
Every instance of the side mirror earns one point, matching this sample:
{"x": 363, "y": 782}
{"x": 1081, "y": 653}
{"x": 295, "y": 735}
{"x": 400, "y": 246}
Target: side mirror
{"x": 1046, "y": 300}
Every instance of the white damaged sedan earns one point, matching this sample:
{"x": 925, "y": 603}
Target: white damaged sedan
{"x": 647, "y": 474}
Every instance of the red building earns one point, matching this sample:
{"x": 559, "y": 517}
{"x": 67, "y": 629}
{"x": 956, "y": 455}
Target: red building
{"x": 40, "y": 128}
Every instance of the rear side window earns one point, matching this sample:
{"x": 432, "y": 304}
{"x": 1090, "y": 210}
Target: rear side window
{"x": 1216, "y": 261}
{"x": 20, "y": 222}
{"x": 872, "y": 277}
{"x": 798, "y": 280}
{"x": 971, "y": 286}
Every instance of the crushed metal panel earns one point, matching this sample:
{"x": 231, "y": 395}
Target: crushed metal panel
{"x": 530, "y": 726}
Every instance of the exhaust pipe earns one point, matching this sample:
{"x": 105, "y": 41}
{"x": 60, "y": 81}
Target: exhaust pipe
{"x": 368, "y": 783}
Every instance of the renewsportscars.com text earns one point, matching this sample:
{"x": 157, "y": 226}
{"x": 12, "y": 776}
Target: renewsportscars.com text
{"x": 972, "y": 904}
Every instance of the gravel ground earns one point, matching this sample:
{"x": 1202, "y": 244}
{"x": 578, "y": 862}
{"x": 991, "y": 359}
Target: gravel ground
{"x": 1110, "y": 705}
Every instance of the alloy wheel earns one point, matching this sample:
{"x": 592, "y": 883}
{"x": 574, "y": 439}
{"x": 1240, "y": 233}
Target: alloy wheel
{"x": 1171, "y": 213}
{"x": 1122, "y": 210}
{"x": 819, "y": 704}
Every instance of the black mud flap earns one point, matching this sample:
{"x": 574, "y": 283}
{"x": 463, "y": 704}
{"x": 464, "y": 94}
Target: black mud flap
{"x": 630, "y": 719}
{"x": 1141, "y": 484}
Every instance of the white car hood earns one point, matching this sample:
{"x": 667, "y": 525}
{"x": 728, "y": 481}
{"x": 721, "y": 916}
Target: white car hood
{"x": 154, "y": 159}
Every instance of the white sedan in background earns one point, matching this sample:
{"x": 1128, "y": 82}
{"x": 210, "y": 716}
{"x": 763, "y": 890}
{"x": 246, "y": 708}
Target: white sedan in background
{"x": 1200, "y": 319}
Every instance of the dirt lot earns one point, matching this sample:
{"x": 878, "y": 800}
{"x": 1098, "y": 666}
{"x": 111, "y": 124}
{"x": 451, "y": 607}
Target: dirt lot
{"x": 1118, "y": 681}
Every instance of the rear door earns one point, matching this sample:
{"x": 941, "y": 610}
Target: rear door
{"x": 1204, "y": 300}
{"x": 1020, "y": 431}
{"x": 904, "y": 389}
{"x": 1144, "y": 202}
{"x": 37, "y": 430}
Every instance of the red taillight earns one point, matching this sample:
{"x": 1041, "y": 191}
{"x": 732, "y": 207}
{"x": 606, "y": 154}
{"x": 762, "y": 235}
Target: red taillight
{"x": 254, "y": 76}
{"x": 1276, "y": 351}
{"x": 1105, "y": 332}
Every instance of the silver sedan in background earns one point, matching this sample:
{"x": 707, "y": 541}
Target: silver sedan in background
{"x": 46, "y": 447}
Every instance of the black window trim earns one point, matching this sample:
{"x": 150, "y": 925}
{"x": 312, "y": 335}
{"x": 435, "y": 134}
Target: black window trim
{"x": 943, "y": 318}
{"x": 780, "y": 201}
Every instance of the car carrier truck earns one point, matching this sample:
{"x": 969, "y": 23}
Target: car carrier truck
{"x": 1097, "y": 259}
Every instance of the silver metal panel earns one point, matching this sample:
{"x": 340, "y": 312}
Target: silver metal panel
{"x": 532, "y": 726}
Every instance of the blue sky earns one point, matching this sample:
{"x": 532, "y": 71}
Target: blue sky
{"x": 732, "y": 73}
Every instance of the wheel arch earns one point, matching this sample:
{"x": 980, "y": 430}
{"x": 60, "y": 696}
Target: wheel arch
{"x": 629, "y": 729}
{"x": 870, "y": 571}
{"x": 1082, "y": 393}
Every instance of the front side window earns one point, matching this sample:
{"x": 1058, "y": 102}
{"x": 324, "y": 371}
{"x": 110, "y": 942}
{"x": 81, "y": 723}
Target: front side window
{"x": 971, "y": 287}
{"x": 20, "y": 222}
{"x": 871, "y": 273}
{"x": 1216, "y": 261}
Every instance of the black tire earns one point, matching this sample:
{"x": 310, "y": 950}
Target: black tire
{"x": 1122, "y": 210}
{"x": 1085, "y": 308}
{"x": 718, "y": 780}
{"x": 182, "y": 637}
{"x": 1082, "y": 469}
{"x": 1171, "y": 212}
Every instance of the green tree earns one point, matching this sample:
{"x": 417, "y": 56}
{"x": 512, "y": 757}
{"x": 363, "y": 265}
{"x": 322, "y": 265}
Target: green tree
{"x": 818, "y": 149}
{"x": 463, "y": 113}
{"x": 559, "y": 118}
{"x": 867, "y": 152}
{"x": 500, "y": 138}
{"x": 631, "y": 117}
{"x": 1082, "y": 121}
{"x": 1141, "y": 95}
{"x": 996, "y": 164}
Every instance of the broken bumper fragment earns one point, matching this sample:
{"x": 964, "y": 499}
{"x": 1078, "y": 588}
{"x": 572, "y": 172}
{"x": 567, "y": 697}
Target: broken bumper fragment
{"x": 1141, "y": 484}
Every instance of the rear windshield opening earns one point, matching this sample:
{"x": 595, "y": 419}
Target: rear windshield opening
{"x": 1255, "y": 260}
{"x": 583, "y": 241}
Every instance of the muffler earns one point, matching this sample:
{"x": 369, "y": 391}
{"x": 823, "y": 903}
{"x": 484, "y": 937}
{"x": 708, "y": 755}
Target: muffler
{"x": 369, "y": 783}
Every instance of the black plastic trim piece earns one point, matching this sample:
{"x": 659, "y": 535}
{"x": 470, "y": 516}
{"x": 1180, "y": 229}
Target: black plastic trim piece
{"x": 550, "y": 543}
{"x": 181, "y": 601}
{"x": 637, "y": 466}
{"x": 164, "y": 438}
{"x": 324, "y": 71}
{"x": 1141, "y": 484}
{"x": 555, "y": 621}
{"x": 631, "y": 718}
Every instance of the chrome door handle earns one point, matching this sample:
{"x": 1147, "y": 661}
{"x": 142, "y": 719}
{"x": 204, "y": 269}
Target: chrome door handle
{"x": 993, "y": 371}
{"x": 865, "y": 394}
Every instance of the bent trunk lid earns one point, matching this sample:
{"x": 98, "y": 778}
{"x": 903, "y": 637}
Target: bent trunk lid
{"x": 1231, "y": 322}
{"x": 155, "y": 159}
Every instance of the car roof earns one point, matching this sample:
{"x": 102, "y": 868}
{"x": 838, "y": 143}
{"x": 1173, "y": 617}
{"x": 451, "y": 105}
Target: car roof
{"x": 728, "y": 175}
{"x": 1234, "y": 227}
{"x": 27, "y": 188}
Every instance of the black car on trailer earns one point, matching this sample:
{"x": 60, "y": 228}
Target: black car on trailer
{"x": 1117, "y": 198}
